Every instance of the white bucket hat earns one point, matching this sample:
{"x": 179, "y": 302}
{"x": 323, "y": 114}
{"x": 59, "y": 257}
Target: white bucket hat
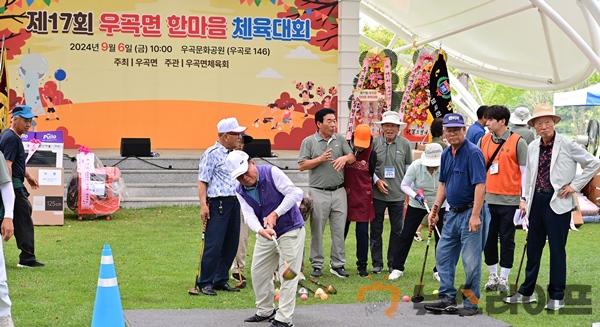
{"x": 237, "y": 163}
{"x": 432, "y": 156}
{"x": 392, "y": 117}
{"x": 520, "y": 116}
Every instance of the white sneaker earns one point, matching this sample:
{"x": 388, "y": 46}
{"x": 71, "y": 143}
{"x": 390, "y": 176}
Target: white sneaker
{"x": 502, "y": 285}
{"x": 520, "y": 298}
{"x": 436, "y": 276}
{"x": 554, "y": 305}
{"x": 492, "y": 283}
{"x": 395, "y": 274}
{"x": 6, "y": 321}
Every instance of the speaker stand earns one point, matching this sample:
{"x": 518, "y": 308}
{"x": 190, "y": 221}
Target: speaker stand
{"x": 143, "y": 160}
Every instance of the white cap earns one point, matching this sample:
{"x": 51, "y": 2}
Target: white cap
{"x": 432, "y": 156}
{"x": 229, "y": 125}
{"x": 237, "y": 163}
{"x": 392, "y": 117}
{"x": 520, "y": 116}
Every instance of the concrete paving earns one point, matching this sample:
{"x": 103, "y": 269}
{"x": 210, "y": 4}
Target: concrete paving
{"x": 347, "y": 315}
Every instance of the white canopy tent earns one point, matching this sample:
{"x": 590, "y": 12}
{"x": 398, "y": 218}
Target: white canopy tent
{"x": 589, "y": 96}
{"x": 532, "y": 44}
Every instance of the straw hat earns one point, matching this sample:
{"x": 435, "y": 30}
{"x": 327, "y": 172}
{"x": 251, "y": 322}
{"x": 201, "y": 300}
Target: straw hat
{"x": 542, "y": 110}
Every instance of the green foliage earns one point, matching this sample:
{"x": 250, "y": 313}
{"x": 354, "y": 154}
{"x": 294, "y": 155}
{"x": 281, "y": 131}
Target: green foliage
{"x": 395, "y": 79}
{"x": 378, "y": 34}
{"x": 396, "y": 100}
{"x": 393, "y": 57}
{"x": 406, "y": 78}
{"x": 361, "y": 57}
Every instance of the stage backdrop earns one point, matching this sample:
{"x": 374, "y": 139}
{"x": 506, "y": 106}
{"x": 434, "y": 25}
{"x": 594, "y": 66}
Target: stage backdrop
{"x": 169, "y": 70}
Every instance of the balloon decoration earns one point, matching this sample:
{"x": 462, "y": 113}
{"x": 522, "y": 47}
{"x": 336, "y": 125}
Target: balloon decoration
{"x": 60, "y": 75}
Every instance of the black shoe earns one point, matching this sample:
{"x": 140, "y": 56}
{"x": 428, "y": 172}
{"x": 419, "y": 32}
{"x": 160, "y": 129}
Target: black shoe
{"x": 277, "y": 323}
{"x": 225, "y": 287}
{"x": 377, "y": 270}
{"x": 340, "y": 272}
{"x": 442, "y": 305}
{"x": 316, "y": 272}
{"x": 467, "y": 312}
{"x": 257, "y": 318}
{"x": 208, "y": 290}
{"x": 362, "y": 272}
{"x": 30, "y": 264}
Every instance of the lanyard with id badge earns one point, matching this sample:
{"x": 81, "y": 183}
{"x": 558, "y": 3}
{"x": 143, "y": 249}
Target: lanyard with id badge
{"x": 492, "y": 166}
{"x": 390, "y": 171}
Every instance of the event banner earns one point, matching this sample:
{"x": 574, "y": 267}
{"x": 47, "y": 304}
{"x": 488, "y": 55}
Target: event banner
{"x": 170, "y": 70}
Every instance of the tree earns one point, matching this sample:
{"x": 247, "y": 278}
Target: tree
{"x": 14, "y": 35}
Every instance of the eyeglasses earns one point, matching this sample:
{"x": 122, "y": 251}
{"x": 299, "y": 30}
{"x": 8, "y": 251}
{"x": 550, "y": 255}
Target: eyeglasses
{"x": 540, "y": 123}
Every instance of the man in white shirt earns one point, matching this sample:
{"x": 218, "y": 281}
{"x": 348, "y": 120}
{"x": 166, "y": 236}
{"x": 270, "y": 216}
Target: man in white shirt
{"x": 270, "y": 205}
{"x": 7, "y": 229}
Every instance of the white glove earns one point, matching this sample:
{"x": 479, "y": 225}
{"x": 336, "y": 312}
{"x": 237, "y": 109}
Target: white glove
{"x": 525, "y": 223}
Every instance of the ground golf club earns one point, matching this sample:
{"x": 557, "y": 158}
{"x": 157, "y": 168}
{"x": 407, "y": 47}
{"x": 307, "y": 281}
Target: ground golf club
{"x": 288, "y": 273}
{"x": 329, "y": 289}
{"x": 195, "y": 290}
{"x": 418, "y": 297}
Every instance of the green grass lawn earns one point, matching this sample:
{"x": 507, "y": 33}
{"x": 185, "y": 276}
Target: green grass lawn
{"x": 155, "y": 253}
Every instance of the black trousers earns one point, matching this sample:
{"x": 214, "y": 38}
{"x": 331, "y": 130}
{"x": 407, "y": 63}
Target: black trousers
{"x": 362, "y": 242}
{"x": 501, "y": 227}
{"x": 544, "y": 222}
{"x": 414, "y": 216}
{"x": 395, "y": 212}
{"x": 220, "y": 241}
{"x": 23, "y": 224}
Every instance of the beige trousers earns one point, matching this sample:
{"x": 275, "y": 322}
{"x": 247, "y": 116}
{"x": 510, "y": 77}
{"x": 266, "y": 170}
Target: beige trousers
{"x": 265, "y": 261}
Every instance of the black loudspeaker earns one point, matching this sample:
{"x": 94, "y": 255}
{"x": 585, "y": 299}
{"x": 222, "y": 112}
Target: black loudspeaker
{"x": 258, "y": 148}
{"x": 135, "y": 147}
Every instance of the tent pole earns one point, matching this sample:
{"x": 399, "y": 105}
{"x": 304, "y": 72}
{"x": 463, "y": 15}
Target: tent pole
{"x": 476, "y": 89}
{"x": 593, "y": 27}
{"x": 549, "y": 46}
{"x": 462, "y": 29}
{"x": 592, "y": 7}
{"x": 393, "y": 41}
{"x": 569, "y": 31}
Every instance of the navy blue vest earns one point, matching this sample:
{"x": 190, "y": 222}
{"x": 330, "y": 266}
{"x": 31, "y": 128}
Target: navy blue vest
{"x": 270, "y": 199}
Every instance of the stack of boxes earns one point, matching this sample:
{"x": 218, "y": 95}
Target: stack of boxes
{"x": 45, "y": 163}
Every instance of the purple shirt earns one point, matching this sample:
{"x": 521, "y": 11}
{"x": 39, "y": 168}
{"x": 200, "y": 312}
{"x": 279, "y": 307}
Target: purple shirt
{"x": 543, "y": 176}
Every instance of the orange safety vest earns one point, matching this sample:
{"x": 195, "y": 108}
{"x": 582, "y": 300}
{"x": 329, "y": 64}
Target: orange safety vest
{"x": 508, "y": 179}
